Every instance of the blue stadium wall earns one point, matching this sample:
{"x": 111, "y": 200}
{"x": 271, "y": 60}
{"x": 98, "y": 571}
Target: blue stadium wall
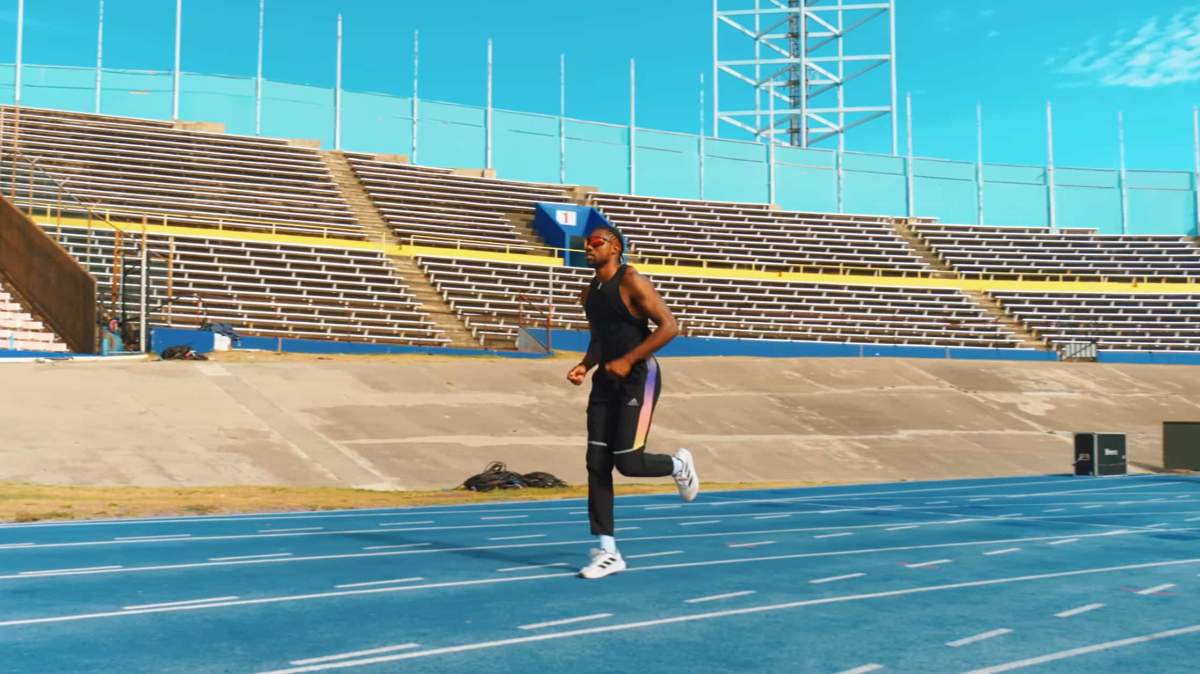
{"x": 526, "y": 147}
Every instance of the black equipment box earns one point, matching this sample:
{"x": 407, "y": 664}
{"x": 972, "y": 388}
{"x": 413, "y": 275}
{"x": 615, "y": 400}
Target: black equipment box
{"x": 1099, "y": 453}
{"x": 1181, "y": 445}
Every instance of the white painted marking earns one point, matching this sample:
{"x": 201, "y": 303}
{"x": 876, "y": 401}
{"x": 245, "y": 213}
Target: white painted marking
{"x": 393, "y": 581}
{"x": 903, "y": 528}
{"x": 626, "y": 529}
{"x": 1083, "y": 650}
{"x": 837, "y": 535}
{"x": 921, "y": 565}
{"x": 753, "y": 544}
{"x": 578, "y": 512}
{"x": 565, "y": 621}
{"x": 654, "y": 554}
{"x": 1005, "y": 551}
{"x": 187, "y": 602}
{"x": 978, "y": 637}
{"x": 1076, "y": 611}
{"x": 1117, "y": 532}
{"x": 691, "y": 524}
{"x": 15, "y": 545}
{"x": 152, "y": 538}
{"x": 401, "y": 524}
{"x": 1063, "y": 541}
{"x": 935, "y": 502}
{"x": 717, "y": 597}
{"x": 1156, "y": 589}
{"x": 771, "y": 517}
{"x": 1192, "y": 519}
{"x": 1184, "y": 496}
{"x": 353, "y": 654}
{"x": 515, "y": 538}
{"x": 1155, "y": 526}
{"x": 831, "y": 579}
{"x": 980, "y": 498}
{"x": 1092, "y": 507}
{"x": 396, "y": 547}
{"x": 81, "y": 568}
{"x": 530, "y": 567}
{"x": 504, "y": 517}
{"x": 1053, "y": 510}
{"x": 862, "y": 669}
{"x": 280, "y": 531}
{"x": 230, "y": 559}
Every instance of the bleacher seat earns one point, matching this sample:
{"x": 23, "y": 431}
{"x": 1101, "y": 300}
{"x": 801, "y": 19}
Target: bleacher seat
{"x": 1143, "y": 322}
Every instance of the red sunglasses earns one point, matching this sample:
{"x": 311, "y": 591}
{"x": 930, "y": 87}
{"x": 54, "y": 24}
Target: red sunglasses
{"x": 596, "y": 242}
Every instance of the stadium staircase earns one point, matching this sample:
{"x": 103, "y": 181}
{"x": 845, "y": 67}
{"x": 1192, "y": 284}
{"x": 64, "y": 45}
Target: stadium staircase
{"x": 368, "y": 216}
{"x": 941, "y": 269}
{"x": 21, "y": 329}
{"x": 999, "y": 315}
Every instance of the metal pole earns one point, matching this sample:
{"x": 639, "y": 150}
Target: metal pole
{"x": 716, "y": 96}
{"x": 145, "y": 284}
{"x": 258, "y": 77}
{"x": 20, "y": 40}
{"x": 415, "y": 108}
{"x": 701, "y": 136}
{"x": 562, "y": 118}
{"x": 337, "y": 90}
{"x": 840, "y": 181}
{"x": 487, "y": 113}
{"x": 979, "y": 163}
{"x": 757, "y": 66}
{"x": 908, "y": 162}
{"x": 1050, "y": 164}
{"x": 632, "y": 127}
{"x": 99, "y": 55}
{"x": 803, "y": 93}
{"x": 1196, "y": 164}
{"x": 771, "y": 144}
{"x": 892, "y": 62}
{"x": 175, "y": 73}
{"x": 1121, "y": 177}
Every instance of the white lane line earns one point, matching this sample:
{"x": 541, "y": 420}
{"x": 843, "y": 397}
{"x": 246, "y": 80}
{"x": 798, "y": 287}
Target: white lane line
{"x": 564, "y": 621}
{"x": 906, "y": 526}
{"x": 771, "y": 517}
{"x": 1004, "y": 551}
{"x": 1092, "y": 507}
{"x": 654, "y": 554}
{"x": 1156, "y": 589}
{"x": 626, "y": 529}
{"x": 862, "y": 669}
{"x": 981, "y": 498}
{"x": 1083, "y": 650}
{"x": 354, "y": 654}
{"x": 230, "y": 559}
{"x": 753, "y": 544}
{"x": 1076, "y": 611}
{"x": 164, "y": 537}
{"x": 1155, "y": 526}
{"x": 936, "y": 502}
{"x": 837, "y": 535}
{"x": 504, "y": 517}
{"x": 15, "y": 545}
{"x": 531, "y": 567}
{"x": 515, "y": 538}
{"x": 692, "y": 524}
{"x": 401, "y": 524}
{"x": 1192, "y": 519}
{"x": 188, "y": 602}
{"x": 978, "y": 637}
{"x": 620, "y": 627}
{"x": 935, "y": 562}
{"x": 662, "y": 507}
{"x": 81, "y": 568}
{"x": 393, "y": 581}
{"x": 718, "y": 597}
{"x": 830, "y": 579}
{"x": 1053, "y": 510}
{"x": 1063, "y": 541}
{"x": 280, "y": 531}
{"x": 577, "y": 512}
{"x": 396, "y": 547}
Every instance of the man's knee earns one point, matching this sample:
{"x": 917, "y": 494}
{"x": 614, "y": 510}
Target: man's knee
{"x": 631, "y": 464}
{"x": 597, "y": 458}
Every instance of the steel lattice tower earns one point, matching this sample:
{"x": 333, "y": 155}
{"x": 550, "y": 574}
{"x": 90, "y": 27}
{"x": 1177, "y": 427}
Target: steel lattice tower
{"x": 788, "y": 67}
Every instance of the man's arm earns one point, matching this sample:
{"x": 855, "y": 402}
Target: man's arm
{"x": 591, "y": 358}
{"x": 647, "y": 302}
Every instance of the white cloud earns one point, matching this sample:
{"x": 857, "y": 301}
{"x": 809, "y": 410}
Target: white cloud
{"x": 1160, "y": 52}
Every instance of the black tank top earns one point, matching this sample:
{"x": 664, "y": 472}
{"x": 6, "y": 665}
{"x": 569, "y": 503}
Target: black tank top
{"x": 616, "y": 329}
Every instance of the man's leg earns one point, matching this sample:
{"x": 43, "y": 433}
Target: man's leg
{"x": 599, "y": 468}
{"x": 632, "y": 428}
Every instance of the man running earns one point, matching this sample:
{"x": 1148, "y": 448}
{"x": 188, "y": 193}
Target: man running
{"x": 625, "y": 388}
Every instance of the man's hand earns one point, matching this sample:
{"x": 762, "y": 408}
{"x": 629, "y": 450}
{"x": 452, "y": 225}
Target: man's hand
{"x": 577, "y": 373}
{"x": 618, "y": 368}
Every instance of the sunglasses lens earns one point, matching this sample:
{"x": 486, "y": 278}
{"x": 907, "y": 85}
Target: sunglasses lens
{"x": 595, "y": 242}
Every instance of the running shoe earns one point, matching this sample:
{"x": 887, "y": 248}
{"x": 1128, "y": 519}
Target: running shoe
{"x": 687, "y": 480}
{"x": 602, "y": 564}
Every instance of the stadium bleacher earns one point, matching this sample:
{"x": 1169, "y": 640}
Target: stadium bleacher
{"x": 1143, "y": 322}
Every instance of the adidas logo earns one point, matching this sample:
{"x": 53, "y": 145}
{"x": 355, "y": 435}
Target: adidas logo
{"x": 632, "y": 403}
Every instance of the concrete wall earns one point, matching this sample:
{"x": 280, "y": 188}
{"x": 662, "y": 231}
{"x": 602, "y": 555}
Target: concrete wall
{"x": 428, "y": 422}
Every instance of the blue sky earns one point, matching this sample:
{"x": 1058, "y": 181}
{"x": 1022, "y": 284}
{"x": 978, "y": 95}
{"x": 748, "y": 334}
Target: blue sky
{"x": 1091, "y": 58}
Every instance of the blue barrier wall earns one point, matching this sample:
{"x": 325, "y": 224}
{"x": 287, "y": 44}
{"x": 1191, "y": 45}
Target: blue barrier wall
{"x": 526, "y": 147}
{"x": 202, "y": 341}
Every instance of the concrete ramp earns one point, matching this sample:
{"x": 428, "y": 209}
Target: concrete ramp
{"x": 428, "y": 422}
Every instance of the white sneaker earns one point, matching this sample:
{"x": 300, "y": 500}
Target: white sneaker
{"x": 686, "y": 479}
{"x": 602, "y": 564}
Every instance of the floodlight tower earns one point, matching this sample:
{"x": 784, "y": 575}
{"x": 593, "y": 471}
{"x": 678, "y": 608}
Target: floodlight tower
{"x": 810, "y": 57}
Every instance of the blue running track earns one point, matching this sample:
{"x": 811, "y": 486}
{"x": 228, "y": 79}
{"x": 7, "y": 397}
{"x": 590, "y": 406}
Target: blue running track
{"x": 1040, "y": 574}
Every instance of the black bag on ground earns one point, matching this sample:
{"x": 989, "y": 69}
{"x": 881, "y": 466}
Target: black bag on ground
{"x": 497, "y": 476}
